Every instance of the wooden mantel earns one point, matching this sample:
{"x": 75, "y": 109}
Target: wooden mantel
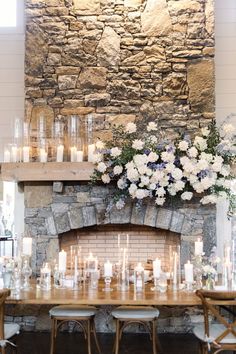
{"x": 50, "y": 171}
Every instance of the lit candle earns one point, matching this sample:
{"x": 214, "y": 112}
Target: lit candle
{"x": 26, "y": 153}
{"x": 92, "y": 263}
{"x": 91, "y": 150}
{"x": 124, "y": 260}
{"x": 79, "y": 155}
{"x": 127, "y": 241}
{"x": 73, "y": 151}
{"x": 27, "y": 246}
{"x": 157, "y": 268}
{"x": 43, "y": 155}
{"x": 14, "y": 153}
{"x": 139, "y": 276}
{"x": 175, "y": 267}
{"x": 60, "y": 151}
{"x": 7, "y": 156}
{"x": 108, "y": 269}
{"x": 198, "y": 247}
{"x": 62, "y": 261}
{"x": 188, "y": 271}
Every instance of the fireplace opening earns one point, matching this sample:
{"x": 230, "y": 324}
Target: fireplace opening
{"x": 145, "y": 242}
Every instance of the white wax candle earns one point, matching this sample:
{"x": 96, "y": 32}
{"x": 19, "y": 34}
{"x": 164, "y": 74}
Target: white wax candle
{"x": 73, "y": 151}
{"x": 127, "y": 241}
{"x": 62, "y": 261}
{"x": 7, "y": 156}
{"x": 14, "y": 154}
{"x": 198, "y": 247}
{"x": 79, "y": 155}
{"x": 92, "y": 262}
{"x": 157, "y": 268}
{"x": 26, "y": 153}
{"x": 91, "y": 150}
{"x": 43, "y": 156}
{"x": 139, "y": 268}
{"x": 60, "y": 151}
{"x": 108, "y": 269}
{"x": 175, "y": 266}
{"x": 188, "y": 271}
{"x": 27, "y": 246}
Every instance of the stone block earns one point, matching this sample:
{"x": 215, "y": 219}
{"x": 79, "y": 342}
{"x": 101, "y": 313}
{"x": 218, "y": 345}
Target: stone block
{"x": 102, "y": 215}
{"x": 50, "y": 226}
{"x": 52, "y": 250}
{"x": 93, "y": 78}
{"x": 138, "y": 214}
{"x": 89, "y": 215}
{"x": 76, "y": 218}
{"x": 57, "y": 187}
{"x": 66, "y": 82}
{"x": 121, "y": 216}
{"x": 108, "y": 49}
{"x": 155, "y": 19}
{"x": 164, "y": 217}
{"x": 37, "y": 195}
{"x": 83, "y": 197}
{"x": 62, "y": 222}
{"x": 97, "y": 99}
{"x": 59, "y": 208}
{"x": 176, "y": 222}
{"x": 85, "y": 7}
{"x": 150, "y": 215}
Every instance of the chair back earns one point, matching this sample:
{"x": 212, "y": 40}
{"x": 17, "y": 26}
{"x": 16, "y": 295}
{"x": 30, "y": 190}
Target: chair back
{"x": 213, "y": 303}
{"x": 3, "y": 295}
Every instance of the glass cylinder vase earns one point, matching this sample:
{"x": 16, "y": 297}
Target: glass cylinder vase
{"x": 75, "y": 139}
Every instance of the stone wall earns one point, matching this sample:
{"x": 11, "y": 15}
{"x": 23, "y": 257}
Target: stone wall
{"x": 122, "y": 60}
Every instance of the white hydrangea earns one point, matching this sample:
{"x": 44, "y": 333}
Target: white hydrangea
{"x": 192, "y": 152}
{"x": 143, "y": 170}
{"x": 192, "y": 178}
{"x": 140, "y": 159}
{"x": 202, "y": 165}
{"x": 120, "y": 204}
{"x": 168, "y": 156}
{"x": 131, "y": 128}
{"x": 121, "y": 183}
{"x": 145, "y": 180}
{"x": 209, "y": 199}
{"x": 141, "y": 193}
{"x": 157, "y": 176}
{"x": 160, "y": 201}
{"x": 187, "y": 195}
{"x": 97, "y": 158}
{"x": 152, "y": 157}
{"x": 100, "y": 145}
{"x": 115, "y": 152}
{"x": 132, "y": 174}
{"x": 177, "y": 173}
{"x": 130, "y": 165}
{"x": 152, "y": 186}
{"x": 200, "y": 143}
{"x": 117, "y": 170}
{"x": 153, "y": 139}
{"x": 183, "y": 145}
{"x": 160, "y": 192}
{"x": 106, "y": 178}
{"x": 152, "y": 126}
{"x": 101, "y": 167}
{"x": 216, "y": 167}
{"x": 179, "y": 186}
{"x": 170, "y": 167}
{"x": 225, "y": 170}
{"x": 172, "y": 191}
{"x": 208, "y": 157}
{"x": 138, "y": 144}
{"x": 132, "y": 189}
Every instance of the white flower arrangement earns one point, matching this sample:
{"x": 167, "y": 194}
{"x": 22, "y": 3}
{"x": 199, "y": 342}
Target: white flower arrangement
{"x": 149, "y": 168}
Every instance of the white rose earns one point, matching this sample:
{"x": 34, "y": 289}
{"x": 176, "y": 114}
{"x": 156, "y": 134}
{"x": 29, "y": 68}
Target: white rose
{"x": 152, "y": 186}
{"x": 100, "y": 145}
{"x": 167, "y": 156}
{"x": 200, "y": 143}
{"x": 101, "y": 167}
{"x": 115, "y": 152}
{"x": 140, "y": 159}
{"x": 131, "y": 128}
{"x": 106, "y": 178}
{"x": 209, "y": 199}
{"x": 117, "y": 170}
{"x": 130, "y": 165}
{"x": 225, "y": 170}
{"x": 153, "y": 139}
{"x": 170, "y": 167}
{"x": 97, "y": 158}
{"x": 160, "y": 192}
{"x": 187, "y": 195}
{"x": 132, "y": 189}
{"x": 192, "y": 152}
{"x": 132, "y": 174}
{"x": 157, "y": 176}
{"x": 152, "y": 126}
{"x": 183, "y": 145}
{"x": 152, "y": 157}
{"x": 207, "y": 157}
{"x": 159, "y": 201}
{"x": 145, "y": 180}
{"x": 121, "y": 184}
{"x": 138, "y": 144}
{"x": 172, "y": 191}
{"x": 177, "y": 173}
{"x": 202, "y": 165}
{"x": 179, "y": 186}
{"x": 141, "y": 193}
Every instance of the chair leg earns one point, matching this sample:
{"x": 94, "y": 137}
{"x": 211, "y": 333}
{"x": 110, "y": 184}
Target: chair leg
{"x": 95, "y": 337}
{"x": 3, "y": 350}
{"x": 117, "y": 340}
{"x": 89, "y": 335}
{"x": 53, "y": 336}
{"x": 154, "y": 336}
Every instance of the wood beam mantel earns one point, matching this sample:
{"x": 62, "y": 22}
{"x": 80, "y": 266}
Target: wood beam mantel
{"x": 50, "y": 171}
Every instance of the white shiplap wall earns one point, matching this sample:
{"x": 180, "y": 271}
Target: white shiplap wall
{"x": 11, "y": 83}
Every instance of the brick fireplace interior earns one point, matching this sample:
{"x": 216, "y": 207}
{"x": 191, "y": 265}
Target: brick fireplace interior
{"x": 145, "y": 242}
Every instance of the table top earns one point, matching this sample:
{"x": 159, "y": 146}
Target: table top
{"x": 56, "y": 296}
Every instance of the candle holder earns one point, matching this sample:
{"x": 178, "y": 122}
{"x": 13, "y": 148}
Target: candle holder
{"x": 139, "y": 278}
{"x": 58, "y": 139}
{"x": 124, "y": 280}
{"x": 89, "y": 138}
{"x": 156, "y": 284}
{"x": 189, "y": 286}
{"x": 75, "y": 139}
{"x": 45, "y": 277}
{"x": 198, "y": 266}
{"x": 93, "y": 280}
{"x": 107, "y": 281}
{"x": 26, "y": 272}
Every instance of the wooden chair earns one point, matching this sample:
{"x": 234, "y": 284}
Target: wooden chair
{"x": 145, "y": 315}
{"x": 83, "y": 316}
{"x": 7, "y": 330}
{"x": 220, "y": 335}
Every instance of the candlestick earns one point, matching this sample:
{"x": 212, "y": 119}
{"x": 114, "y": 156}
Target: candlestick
{"x": 7, "y": 156}
{"x": 26, "y": 153}
{"x": 43, "y": 155}
{"x": 108, "y": 269}
{"x": 188, "y": 270}
{"x": 139, "y": 277}
{"x": 156, "y": 268}
{"x": 45, "y": 274}
{"x": 198, "y": 247}
{"x": 27, "y": 246}
{"x": 60, "y": 151}
{"x": 62, "y": 261}
{"x": 91, "y": 150}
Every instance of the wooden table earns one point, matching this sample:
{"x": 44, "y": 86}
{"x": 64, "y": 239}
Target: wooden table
{"x": 99, "y": 297}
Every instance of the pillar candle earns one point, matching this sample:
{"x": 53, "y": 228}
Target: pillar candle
{"x": 62, "y": 261}
{"x": 27, "y": 246}
{"x": 108, "y": 269}
{"x": 73, "y": 151}
{"x": 43, "y": 155}
{"x": 188, "y": 271}
{"x": 91, "y": 150}
{"x": 79, "y": 155}
{"x": 7, "y": 156}
{"x": 60, "y": 151}
{"x": 157, "y": 268}
{"x": 14, "y": 153}
{"x": 198, "y": 247}
{"x": 26, "y": 153}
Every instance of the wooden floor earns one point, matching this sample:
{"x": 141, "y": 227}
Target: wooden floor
{"x": 38, "y": 343}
